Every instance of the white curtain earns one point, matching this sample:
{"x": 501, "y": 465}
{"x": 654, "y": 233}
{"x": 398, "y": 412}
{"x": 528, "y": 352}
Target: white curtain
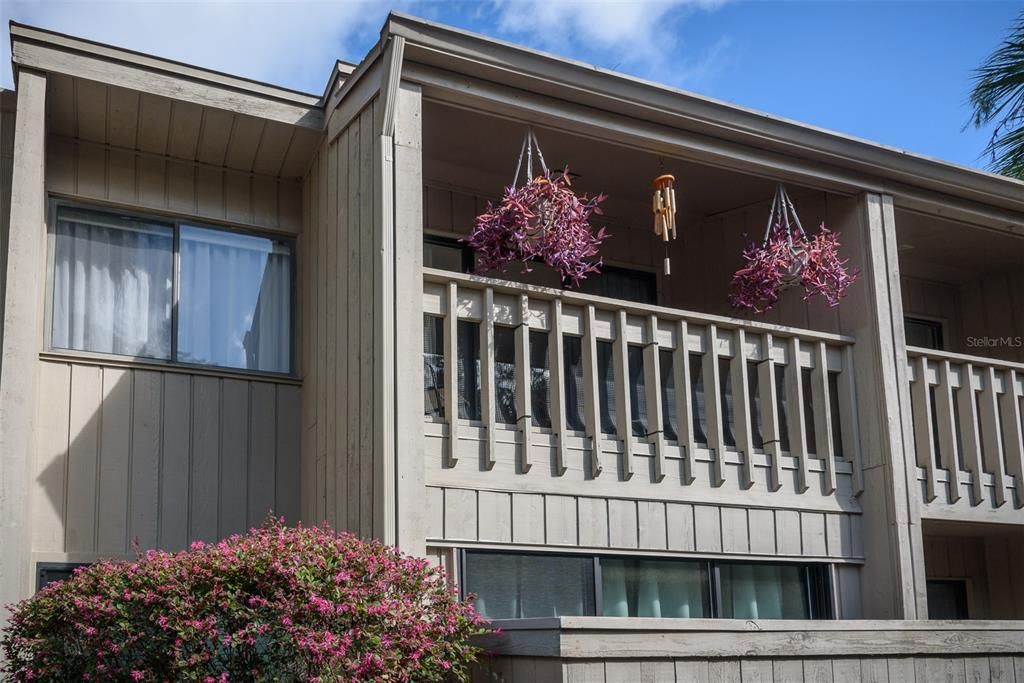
{"x": 653, "y": 588}
{"x": 112, "y": 285}
{"x": 235, "y": 300}
{"x": 764, "y": 591}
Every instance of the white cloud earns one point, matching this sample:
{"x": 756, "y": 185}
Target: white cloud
{"x": 285, "y": 42}
{"x": 641, "y": 34}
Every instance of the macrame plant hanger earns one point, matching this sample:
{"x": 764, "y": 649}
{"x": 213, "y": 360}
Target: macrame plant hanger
{"x": 783, "y": 216}
{"x": 526, "y": 152}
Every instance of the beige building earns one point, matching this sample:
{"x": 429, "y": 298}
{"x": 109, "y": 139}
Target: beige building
{"x": 224, "y": 298}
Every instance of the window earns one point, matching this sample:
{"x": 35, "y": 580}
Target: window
{"x": 515, "y": 585}
{"x": 947, "y": 599}
{"x": 622, "y": 283}
{"x": 433, "y": 366}
{"x": 926, "y": 334}
{"x": 445, "y": 253}
{"x": 168, "y": 291}
{"x": 50, "y": 572}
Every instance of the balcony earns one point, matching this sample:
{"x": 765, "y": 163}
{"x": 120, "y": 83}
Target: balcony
{"x": 531, "y": 389}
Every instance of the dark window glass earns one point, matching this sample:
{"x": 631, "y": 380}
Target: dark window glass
{"x": 447, "y": 254}
{"x": 540, "y": 379}
{"x": 754, "y": 396}
{"x": 835, "y": 416}
{"x": 572, "y": 352}
{"x": 654, "y": 588}
{"x": 807, "y": 381}
{"x": 957, "y": 429}
{"x": 637, "y": 391}
{"x": 947, "y": 599}
{"x": 622, "y": 283}
{"x": 53, "y": 572}
{"x": 725, "y": 401}
{"x": 668, "y": 394}
{"x": 505, "y": 374}
{"x": 926, "y": 334}
{"x": 697, "y": 398}
{"x": 433, "y": 366}
{"x": 468, "y": 343}
{"x": 780, "y": 404}
{"x": 511, "y": 586}
{"x": 606, "y": 386}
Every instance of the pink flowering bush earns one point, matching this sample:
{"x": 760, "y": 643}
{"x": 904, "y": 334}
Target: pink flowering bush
{"x": 543, "y": 220}
{"x": 778, "y": 263}
{"x": 276, "y": 604}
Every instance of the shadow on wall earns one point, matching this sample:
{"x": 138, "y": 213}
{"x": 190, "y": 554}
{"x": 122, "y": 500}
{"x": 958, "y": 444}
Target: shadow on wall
{"x": 161, "y": 458}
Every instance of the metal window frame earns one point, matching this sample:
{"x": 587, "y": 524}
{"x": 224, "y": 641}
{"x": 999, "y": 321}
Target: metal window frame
{"x": 175, "y": 222}
{"x": 43, "y": 567}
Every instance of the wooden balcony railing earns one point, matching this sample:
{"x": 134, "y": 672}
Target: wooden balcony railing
{"x": 617, "y": 389}
{"x": 967, "y": 428}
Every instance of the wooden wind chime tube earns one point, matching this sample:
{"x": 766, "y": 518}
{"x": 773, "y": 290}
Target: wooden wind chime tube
{"x": 664, "y": 207}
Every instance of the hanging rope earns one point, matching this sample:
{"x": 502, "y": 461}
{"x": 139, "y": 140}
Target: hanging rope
{"x": 783, "y": 214}
{"x": 530, "y": 144}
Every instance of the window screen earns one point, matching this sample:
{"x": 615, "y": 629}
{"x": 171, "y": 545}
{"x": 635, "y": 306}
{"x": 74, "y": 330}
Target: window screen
{"x": 509, "y": 586}
{"x": 669, "y": 407}
{"x": 926, "y": 334}
{"x": 637, "y": 391}
{"x": 764, "y": 591}
{"x": 572, "y": 352}
{"x": 654, "y": 588}
{"x": 505, "y": 374}
{"x": 540, "y": 379}
{"x": 469, "y": 369}
{"x": 606, "y": 386}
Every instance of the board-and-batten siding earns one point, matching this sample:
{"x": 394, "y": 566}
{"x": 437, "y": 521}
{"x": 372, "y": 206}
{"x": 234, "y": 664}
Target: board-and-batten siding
{"x": 907, "y": 669}
{"x": 162, "y": 458}
{"x": 8, "y": 104}
{"x": 342, "y": 483}
{"x": 91, "y": 171}
{"x": 989, "y": 564}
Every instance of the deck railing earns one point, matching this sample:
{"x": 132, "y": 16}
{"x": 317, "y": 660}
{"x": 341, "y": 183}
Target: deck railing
{"x": 967, "y": 428}
{"x": 625, "y": 383}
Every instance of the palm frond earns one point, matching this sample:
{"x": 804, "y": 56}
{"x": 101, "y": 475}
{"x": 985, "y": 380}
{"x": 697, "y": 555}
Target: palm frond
{"x": 998, "y": 97}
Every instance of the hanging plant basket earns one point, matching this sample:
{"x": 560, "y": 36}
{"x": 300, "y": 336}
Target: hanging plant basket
{"x": 788, "y": 258}
{"x": 541, "y": 220}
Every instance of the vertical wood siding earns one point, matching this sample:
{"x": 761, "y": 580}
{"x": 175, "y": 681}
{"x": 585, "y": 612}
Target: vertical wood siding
{"x": 93, "y": 171}
{"x": 8, "y": 104}
{"x": 341, "y": 478}
{"x": 990, "y": 566}
{"x": 908, "y": 669}
{"x": 161, "y": 458}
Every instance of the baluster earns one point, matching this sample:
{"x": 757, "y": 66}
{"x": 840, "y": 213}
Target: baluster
{"x": 713, "y": 406}
{"x": 591, "y": 396}
{"x": 684, "y": 400}
{"x": 989, "y": 423}
{"x": 652, "y": 382}
{"x": 770, "y": 433}
{"x": 1009, "y": 404}
{"x": 850, "y": 424}
{"x": 945, "y": 418}
{"x": 556, "y": 363}
{"x": 487, "y": 391}
{"x": 923, "y": 439}
{"x": 795, "y": 419}
{"x": 823, "y": 415}
{"x": 969, "y": 433}
{"x": 451, "y": 374}
{"x": 623, "y": 407}
{"x": 524, "y": 416}
{"x": 741, "y": 411}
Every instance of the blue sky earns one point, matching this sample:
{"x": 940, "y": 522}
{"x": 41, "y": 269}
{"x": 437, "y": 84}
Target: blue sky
{"x": 893, "y": 72}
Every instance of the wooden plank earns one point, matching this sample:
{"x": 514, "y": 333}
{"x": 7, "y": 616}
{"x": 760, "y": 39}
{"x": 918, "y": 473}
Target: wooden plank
{"x": 684, "y": 400}
{"x": 51, "y": 461}
{"x": 741, "y": 408}
{"x": 787, "y": 671}
{"x": 343, "y": 360}
{"x": 121, "y": 176}
{"x": 976, "y": 670}
{"x": 495, "y": 517}
{"x": 756, "y": 670}
{"x": 592, "y": 516}
{"x": 652, "y": 385}
{"x": 735, "y": 531}
{"x": 724, "y": 671}
{"x": 795, "y": 419}
{"x": 451, "y": 377}
{"x": 262, "y": 440}
{"x": 652, "y": 525}
{"x": 770, "y": 432}
{"x": 874, "y": 670}
{"x": 622, "y": 524}
{"x": 946, "y": 420}
{"x": 970, "y": 434}
{"x": 923, "y": 440}
{"x": 708, "y": 528}
{"x": 992, "y": 436}
{"x": 556, "y": 363}
{"x": 846, "y": 670}
{"x": 692, "y": 671}
{"x": 680, "y": 527}
{"x": 527, "y": 518}
{"x": 174, "y": 463}
{"x": 713, "y": 405}
{"x": 762, "y": 531}
{"x": 1013, "y": 433}
{"x": 524, "y": 385}
{"x": 368, "y": 383}
{"x": 787, "y": 532}
{"x": 592, "y": 408}
{"x": 356, "y": 399}
{"x": 818, "y": 670}
{"x": 114, "y": 457}
{"x": 823, "y": 416}
{"x": 460, "y": 514}
{"x": 234, "y": 448}
{"x": 488, "y": 401}
{"x": 850, "y": 421}
{"x": 204, "y": 479}
{"x": 286, "y": 454}
{"x": 560, "y": 520}
{"x": 623, "y": 405}
{"x": 812, "y": 531}
{"x": 83, "y": 456}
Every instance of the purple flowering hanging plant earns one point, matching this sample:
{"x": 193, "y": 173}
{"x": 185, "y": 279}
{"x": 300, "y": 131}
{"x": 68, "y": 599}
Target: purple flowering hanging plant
{"x": 781, "y": 262}
{"x": 543, "y": 220}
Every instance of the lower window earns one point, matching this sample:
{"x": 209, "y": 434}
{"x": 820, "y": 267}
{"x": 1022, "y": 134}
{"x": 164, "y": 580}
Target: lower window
{"x": 520, "y": 585}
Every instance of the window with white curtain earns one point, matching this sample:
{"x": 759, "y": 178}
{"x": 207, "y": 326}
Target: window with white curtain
{"x": 151, "y": 289}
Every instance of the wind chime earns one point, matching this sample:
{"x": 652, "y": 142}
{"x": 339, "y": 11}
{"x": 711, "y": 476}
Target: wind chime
{"x": 664, "y": 207}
